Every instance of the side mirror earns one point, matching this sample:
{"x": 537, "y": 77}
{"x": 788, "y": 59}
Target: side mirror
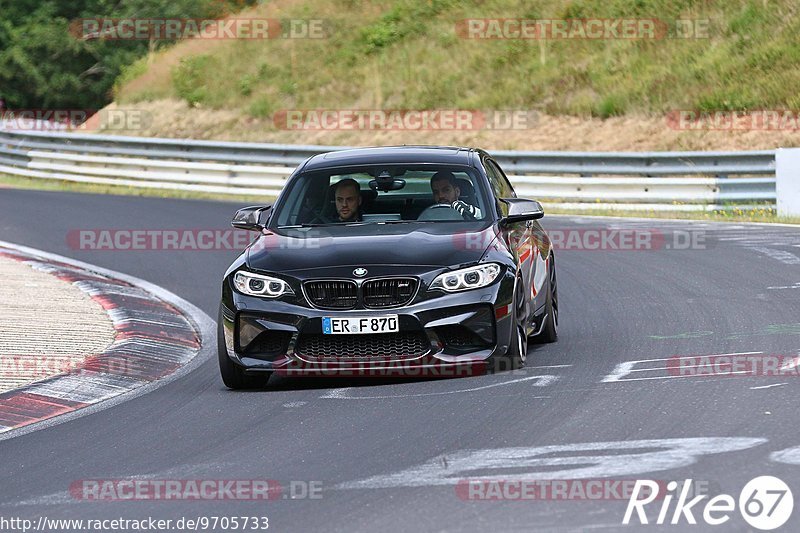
{"x": 521, "y": 210}
{"x": 249, "y": 218}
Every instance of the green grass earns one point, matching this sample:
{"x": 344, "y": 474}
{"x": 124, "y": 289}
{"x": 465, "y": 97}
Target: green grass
{"x": 742, "y": 215}
{"x": 14, "y": 182}
{"x": 406, "y": 55}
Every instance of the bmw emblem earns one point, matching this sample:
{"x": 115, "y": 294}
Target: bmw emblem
{"x": 360, "y": 272}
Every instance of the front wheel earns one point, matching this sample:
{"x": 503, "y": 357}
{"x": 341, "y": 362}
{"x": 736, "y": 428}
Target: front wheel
{"x": 550, "y": 330}
{"x": 518, "y": 348}
{"x": 233, "y": 375}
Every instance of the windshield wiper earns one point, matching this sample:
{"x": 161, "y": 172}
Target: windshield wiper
{"x": 381, "y": 222}
{"x": 359, "y": 223}
{"x": 294, "y": 226}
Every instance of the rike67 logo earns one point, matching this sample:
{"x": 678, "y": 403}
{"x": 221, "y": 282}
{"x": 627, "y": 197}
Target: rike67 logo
{"x": 765, "y": 503}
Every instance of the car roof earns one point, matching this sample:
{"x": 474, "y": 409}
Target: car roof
{"x": 447, "y": 155}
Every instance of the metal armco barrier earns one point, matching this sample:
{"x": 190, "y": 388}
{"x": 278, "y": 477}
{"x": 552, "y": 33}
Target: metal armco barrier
{"x": 663, "y": 181}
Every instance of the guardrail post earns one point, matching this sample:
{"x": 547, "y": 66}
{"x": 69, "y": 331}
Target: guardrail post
{"x": 787, "y": 181}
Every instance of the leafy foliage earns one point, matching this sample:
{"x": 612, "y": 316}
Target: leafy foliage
{"x": 45, "y": 63}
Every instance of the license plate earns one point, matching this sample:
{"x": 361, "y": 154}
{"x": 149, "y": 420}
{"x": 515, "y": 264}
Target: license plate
{"x": 359, "y": 324}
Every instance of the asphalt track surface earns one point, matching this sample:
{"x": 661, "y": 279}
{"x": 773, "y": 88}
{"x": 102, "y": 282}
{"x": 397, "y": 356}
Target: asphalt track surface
{"x": 389, "y": 453}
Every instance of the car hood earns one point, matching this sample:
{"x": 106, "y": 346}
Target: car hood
{"x": 329, "y": 247}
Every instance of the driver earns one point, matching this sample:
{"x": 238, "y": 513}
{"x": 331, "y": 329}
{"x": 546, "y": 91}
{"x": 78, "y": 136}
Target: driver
{"x": 444, "y": 186}
{"x": 348, "y": 200}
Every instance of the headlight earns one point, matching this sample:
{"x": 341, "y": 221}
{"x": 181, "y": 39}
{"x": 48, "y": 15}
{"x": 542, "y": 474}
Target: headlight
{"x": 465, "y": 279}
{"x": 260, "y": 285}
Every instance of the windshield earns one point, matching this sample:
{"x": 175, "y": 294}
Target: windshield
{"x": 382, "y": 194}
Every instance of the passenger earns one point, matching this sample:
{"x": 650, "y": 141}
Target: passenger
{"x": 348, "y": 200}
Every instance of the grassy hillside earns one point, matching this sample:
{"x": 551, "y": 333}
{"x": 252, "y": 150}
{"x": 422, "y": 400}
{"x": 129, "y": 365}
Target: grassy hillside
{"x": 407, "y": 55}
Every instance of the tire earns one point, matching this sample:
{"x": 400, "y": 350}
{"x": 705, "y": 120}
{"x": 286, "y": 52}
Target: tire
{"x": 518, "y": 347}
{"x": 550, "y": 330}
{"x": 233, "y": 375}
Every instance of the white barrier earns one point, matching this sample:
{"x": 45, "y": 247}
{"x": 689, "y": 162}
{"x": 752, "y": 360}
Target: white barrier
{"x": 787, "y": 183}
{"x": 664, "y": 181}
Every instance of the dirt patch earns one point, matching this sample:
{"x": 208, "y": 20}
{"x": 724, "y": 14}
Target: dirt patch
{"x": 175, "y": 119}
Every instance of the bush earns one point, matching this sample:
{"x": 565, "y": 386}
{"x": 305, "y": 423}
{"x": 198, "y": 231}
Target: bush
{"x": 261, "y": 107}
{"x": 190, "y": 77}
{"x": 610, "y": 106}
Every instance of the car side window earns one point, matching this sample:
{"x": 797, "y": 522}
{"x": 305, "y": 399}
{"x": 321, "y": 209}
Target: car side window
{"x": 506, "y": 190}
{"x": 502, "y": 187}
{"x": 494, "y": 182}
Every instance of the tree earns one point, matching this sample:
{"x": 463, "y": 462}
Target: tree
{"x": 46, "y": 64}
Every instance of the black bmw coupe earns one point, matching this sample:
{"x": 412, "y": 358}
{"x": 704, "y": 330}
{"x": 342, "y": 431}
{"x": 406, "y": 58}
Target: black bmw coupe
{"x": 393, "y": 261}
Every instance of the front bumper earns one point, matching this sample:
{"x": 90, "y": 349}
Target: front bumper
{"x": 450, "y": 335}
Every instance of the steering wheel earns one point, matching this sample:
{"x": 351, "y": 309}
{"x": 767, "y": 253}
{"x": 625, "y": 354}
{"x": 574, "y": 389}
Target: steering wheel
{"x": 439, "y": 212}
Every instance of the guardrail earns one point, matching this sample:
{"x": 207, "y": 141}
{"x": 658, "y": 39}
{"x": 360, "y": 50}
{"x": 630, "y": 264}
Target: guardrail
{"x": 581, "y": 180}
